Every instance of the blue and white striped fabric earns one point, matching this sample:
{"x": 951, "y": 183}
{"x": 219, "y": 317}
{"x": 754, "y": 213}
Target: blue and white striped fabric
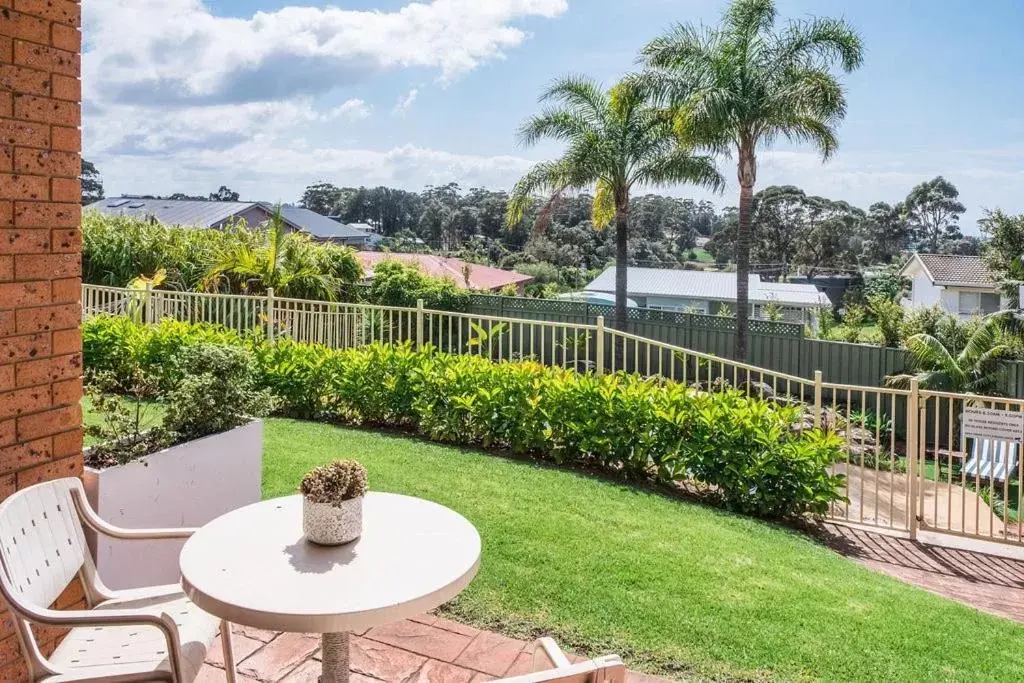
{"x": 991, "y": 459}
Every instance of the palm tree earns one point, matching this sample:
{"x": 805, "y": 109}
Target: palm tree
{"x": 974, "y": 370}
{"x": 741, "y": 86}
{"x": 287, "y": 261}
{"x": 615, "y": 141}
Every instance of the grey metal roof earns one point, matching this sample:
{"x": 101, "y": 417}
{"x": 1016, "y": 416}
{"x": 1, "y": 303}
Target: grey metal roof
{"x": 318, "y": 225}
{"x": 172, "y": 211}
{"x": 697, "y": 284}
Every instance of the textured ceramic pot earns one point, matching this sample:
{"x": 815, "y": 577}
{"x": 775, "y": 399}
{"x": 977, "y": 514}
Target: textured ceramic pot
{"x": 326, "y": 524}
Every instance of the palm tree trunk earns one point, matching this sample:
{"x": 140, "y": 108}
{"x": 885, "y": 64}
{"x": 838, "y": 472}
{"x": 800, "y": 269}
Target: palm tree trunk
{"x": 621, "y": 269}
{"x": 747, "y": 177}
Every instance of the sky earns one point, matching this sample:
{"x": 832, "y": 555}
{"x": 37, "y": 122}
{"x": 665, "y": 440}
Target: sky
{"x": 269, "y": 96}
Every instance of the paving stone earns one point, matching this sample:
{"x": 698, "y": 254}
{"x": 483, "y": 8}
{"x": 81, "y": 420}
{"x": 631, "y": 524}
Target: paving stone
{"x": 425, "y": 619}
{"x": 490, "y": 653}
{"x": 279, "y": 656}
{"x": 242, "y": 645}
{"x": 455, "y": 627}
{"x": 441, "y": 672}
{"x": 211, "y": 674}
{"x": 523, "y": 664}
{"x": 637, "y": 677}
{"x": 383, "y": 661}
{"x": 421, "y": 639}
{"x": 255, "y": 633}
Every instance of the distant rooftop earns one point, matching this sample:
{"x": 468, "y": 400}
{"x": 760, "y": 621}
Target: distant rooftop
{"x": 698, "y": 284}
{"x": 207, "y": 214}
{"x": 953, "y": 269}
{"x": 480, "y": 277}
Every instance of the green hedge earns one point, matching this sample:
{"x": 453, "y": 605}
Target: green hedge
{"x": 742, "y": 451}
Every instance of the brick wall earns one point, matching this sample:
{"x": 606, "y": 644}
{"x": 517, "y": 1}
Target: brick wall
{"x": 40, "y": 261}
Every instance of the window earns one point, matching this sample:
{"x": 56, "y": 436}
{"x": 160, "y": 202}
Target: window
{"x": 970, "y": 303}
{"x": 990, "y": 303}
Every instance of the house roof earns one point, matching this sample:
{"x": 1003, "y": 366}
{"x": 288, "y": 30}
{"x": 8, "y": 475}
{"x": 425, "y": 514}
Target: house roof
{"x": 953, "y": 269}
{"x": 318, "y": 225}
{"x": 207, "y": 214}
{"x": 480, "y": 277}
{"x": 703, "y": 285}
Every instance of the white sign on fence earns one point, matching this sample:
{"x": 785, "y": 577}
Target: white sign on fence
{"x": 999, "y": 425}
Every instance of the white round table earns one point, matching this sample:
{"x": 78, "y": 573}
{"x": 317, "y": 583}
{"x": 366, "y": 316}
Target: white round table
{"x": 254, "y": 567}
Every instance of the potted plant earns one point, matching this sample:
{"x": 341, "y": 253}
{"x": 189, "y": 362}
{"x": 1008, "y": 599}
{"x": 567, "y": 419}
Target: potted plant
{"x": 177, "y": 460}
{"x": 332, "y": 502}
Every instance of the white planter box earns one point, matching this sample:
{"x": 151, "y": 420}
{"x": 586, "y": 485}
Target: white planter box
{"x": 186, "y": 485}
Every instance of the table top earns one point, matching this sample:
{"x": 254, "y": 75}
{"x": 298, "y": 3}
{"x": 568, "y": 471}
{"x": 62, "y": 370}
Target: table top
{"x": 254, "y": 567}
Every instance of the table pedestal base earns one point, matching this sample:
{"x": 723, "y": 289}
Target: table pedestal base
{"x": 334, "y": 655}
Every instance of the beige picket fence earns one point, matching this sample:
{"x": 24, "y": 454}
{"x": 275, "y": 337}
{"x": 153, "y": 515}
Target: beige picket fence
{"x": 908, "y": 467}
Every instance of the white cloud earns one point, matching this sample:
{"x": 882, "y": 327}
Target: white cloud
{"x": 175, "y": 51}
{"x": 352, "y": 110}
{"x": 405, "y": 102}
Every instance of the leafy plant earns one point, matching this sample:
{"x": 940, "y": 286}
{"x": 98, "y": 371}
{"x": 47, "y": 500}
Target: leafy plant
{"x": 826, "y": 321}
{"x": 124, "y": 432}
{"x": 334, "y": 483}
{"x": 486, "y": 336}
{"x": 889, "y": 317}
{"x": 853, "y": 319}
{"x": 975, "y": 369}
{"x": 771, "y": 310}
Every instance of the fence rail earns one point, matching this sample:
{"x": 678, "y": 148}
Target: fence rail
{"x": 907, "y": 461}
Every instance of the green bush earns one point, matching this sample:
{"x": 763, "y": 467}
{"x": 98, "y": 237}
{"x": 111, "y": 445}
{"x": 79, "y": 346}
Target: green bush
{"x": 396, "y": 284}
{"x": 742, "y": 451}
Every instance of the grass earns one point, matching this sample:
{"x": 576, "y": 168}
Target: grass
{"x": 677, "y": 588}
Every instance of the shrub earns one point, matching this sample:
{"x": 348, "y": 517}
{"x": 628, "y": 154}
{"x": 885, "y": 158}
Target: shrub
{"x": 396, "y": 284}
{"x": 853, "y": 318}
{"x": 742, "y": 451}
{"x": 218, "y": 392}
{"x": 889, "y": 317}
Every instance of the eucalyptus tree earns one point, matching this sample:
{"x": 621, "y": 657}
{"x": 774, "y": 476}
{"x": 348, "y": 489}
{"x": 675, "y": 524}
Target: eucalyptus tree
{"x": 740, "y": 86}
{"x": 616, "y": 141}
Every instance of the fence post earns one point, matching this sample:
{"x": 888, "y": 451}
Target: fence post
{"x": 817, "y": 399}
{"x": 913, "y": 445}
{"x": 599, "y": 352}
{"x": 419, "y": 323}
{"x": 270, "y": 315}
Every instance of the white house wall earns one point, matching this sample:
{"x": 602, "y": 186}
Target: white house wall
{"x": 924, "y": 293}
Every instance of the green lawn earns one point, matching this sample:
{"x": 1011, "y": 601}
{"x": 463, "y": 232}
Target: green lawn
{"x": 676, "y": 588}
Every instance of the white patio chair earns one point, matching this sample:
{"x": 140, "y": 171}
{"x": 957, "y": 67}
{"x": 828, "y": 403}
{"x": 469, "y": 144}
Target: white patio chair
{"x": 992, "y": 459}
{"x": 558, "y": 668}
{"x": 145, "y": 634}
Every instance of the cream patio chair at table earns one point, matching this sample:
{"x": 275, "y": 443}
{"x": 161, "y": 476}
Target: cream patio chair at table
{"x": 144, "y": 634}
{"x": 559, "y": 669}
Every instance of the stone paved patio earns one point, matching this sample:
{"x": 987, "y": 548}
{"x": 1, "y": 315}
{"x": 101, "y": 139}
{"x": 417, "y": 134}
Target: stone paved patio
{"x": 426, "y": 649}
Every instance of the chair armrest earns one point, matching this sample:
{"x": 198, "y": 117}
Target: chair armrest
{"x": 550, "y": 650}
{"x": 99, "y": 525}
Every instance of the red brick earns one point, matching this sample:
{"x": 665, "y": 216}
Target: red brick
{"x": 24, "y": 455}
{"x": 67, "y": 139}
{"x": 47, "y": 370}
{"x": 61, "y": 317}
{"x": 66, "y": 38}
{"x": 68, "y": 443}
{"x": 24, "y": 80}
{"x": 72, "y": 595}
{"x": 47, "y": 214}
{"x": 16, "y": 349}
{"x": 6, "y": 214}
{"x": 6, "y": 377}
{"x": 66, "y": 189}
{"x": 24, "y": 133}
{"x": 50, "y": 59}
{"x": 40, "y": 266}
{"x": 6, "y": 104}
{"x": 67, "y": 12}
{"x": 26, "y": 27}
{"x": 24, "y": 401}
{"x": 20, "y": 294}
{"x": 7, "y": 323}
{"x": 53, "y": 421}
{"x": 6, "y": 158}
{"x": 6, "y": 489}
{"x": 16, "y": 670}
{"x": 47, "y": 110}
{"x": 6, "y": 50}
{"x": 66, "y": 393}
{"x": 57, "y": 469}
{"x": 6, "y": 268}
{"x": 43, "y": 162}
{"x": 66, "y": 241}
{"x": 68, "y": 291}
{"x": 24, "y": 241}
{"x": 67, "y": 341}
{"x": 23, "y": 187}
{"x": 66, "y": 88}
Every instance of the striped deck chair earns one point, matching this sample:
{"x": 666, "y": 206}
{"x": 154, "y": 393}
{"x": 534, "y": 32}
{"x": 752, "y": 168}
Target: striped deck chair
{"x": 992, "y": 459}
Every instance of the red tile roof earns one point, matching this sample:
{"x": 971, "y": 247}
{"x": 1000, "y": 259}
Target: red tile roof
{"x": 480, "y": 277}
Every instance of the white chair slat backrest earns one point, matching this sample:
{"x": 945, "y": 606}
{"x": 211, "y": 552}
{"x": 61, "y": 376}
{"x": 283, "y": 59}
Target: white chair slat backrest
{"x": 42, "y": 543}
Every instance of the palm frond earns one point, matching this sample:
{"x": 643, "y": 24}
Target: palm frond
{"x": 603, "y": 211}
{"x": 820, "y": 40}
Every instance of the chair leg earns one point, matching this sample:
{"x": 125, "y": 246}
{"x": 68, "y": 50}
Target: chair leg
{"x": 229, "y": 651}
